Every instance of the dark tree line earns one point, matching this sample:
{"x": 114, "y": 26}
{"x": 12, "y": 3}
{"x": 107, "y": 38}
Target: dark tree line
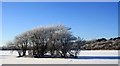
{"x": 102, "y": 44}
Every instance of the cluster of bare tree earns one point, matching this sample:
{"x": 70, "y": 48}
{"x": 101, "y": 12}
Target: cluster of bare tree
{"x": 55, "y": 40}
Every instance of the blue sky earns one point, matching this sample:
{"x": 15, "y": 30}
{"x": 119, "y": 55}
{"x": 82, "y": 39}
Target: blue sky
{"x": 88, "y": 20}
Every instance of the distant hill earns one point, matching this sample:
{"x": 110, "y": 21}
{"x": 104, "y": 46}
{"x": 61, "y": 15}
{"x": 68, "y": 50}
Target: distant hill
{"x": 102, "y": 44}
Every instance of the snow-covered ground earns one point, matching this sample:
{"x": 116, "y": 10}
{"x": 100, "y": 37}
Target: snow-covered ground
{"x": 81, "y": 53}
{"x": 9, "y": 57}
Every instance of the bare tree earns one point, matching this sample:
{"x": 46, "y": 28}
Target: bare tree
{"x": 56, "y": 39}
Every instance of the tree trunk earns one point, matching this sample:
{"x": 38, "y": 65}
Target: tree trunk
{"x": 24, "y": 52}
{"x": 52, "y": 53}
{"x": 20, "y": 53}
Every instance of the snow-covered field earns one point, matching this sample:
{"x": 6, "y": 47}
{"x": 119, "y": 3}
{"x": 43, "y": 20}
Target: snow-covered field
{"x": 9, "y": 57}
